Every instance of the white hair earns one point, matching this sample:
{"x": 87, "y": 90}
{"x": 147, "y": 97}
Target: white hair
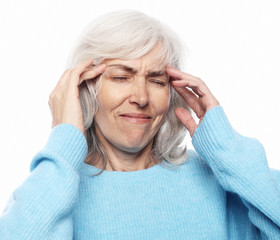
{"x": 126, "y": 35}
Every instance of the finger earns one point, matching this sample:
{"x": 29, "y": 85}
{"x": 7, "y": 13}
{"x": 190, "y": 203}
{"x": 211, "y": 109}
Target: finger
{"x": 73, "y": 78}
{"x": 183, "y": 84}
{"x": 186, "y": 119}
{"x": 186, "y": 80}
{"x": 92, "y": 72}
{"x": 191, "y": 100}
{"x": 73, "y": 74}
{"x": 80, "y": 68}
{"x": 176, "y": 74}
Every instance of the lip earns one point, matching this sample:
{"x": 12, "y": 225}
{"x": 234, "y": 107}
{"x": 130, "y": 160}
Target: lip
{"x": 136, "y": 117}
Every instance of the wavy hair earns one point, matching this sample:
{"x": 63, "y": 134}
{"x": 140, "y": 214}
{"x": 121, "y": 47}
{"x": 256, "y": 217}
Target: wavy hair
{"x": 129, "y": 34}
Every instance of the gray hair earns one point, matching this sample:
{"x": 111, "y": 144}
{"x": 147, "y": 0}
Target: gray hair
{"x": 125, "y": 35}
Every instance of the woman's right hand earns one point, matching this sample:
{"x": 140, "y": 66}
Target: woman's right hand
{"x": 64, "y": 100}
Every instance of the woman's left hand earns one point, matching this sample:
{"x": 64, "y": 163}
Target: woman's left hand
{"x": 195, "y": 93}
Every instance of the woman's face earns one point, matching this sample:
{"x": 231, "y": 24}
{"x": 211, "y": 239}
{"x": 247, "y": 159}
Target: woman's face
{"x": 133, "y": 101}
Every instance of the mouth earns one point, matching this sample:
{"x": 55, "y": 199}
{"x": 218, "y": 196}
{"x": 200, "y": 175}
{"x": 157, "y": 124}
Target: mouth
{"x": 136, "y": 117}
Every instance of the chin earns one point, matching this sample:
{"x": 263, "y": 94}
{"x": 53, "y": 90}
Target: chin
{"x": 133, "y": 147}
{"x": 135, "y": 141}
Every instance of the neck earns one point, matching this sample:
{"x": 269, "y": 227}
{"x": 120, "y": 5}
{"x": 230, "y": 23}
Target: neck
{"x": 125, "y": 162}
{"x": 119, "y": 160}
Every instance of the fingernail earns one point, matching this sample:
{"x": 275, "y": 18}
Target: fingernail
{"x": 100, "y": 65}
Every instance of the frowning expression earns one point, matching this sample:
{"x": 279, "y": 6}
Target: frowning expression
{"x": 133, "y": 100}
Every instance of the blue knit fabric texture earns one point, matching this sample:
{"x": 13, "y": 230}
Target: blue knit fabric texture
{"x": 224, "y": 190}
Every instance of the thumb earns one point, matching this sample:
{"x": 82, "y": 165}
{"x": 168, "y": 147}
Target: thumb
{"x": 186, "y": 119}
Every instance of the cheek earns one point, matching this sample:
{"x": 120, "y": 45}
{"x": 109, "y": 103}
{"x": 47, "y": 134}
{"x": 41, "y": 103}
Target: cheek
{"x": 161, "y": 101}
{"x": 105, "y": 105}
{"x": 108, "y": 97}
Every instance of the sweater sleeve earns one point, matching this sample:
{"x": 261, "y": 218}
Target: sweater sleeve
{"x": 240, "y": 165}
{"x": 41, "y": 207}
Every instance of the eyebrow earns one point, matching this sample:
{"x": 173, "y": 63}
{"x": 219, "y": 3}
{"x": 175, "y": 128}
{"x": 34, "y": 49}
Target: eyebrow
{"x": 123, "y": 67}
{"x": 132, "y": 70}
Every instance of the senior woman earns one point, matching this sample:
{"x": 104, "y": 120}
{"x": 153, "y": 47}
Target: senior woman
{"x": 115, "y": 166}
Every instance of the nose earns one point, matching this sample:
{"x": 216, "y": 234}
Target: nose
{"x": 139, "y": 93}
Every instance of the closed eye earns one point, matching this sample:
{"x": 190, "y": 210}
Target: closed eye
{"x": 160, "y": 83}
{"x": 119, "y": 78}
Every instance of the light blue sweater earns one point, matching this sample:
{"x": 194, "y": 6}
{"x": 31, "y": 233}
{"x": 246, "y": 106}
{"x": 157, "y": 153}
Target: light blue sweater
{"x": 225, "y": 190}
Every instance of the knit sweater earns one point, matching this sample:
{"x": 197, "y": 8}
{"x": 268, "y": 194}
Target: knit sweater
{"x": 225, "y": 190}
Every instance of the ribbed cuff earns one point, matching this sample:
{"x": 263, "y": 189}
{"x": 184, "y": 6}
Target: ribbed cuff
{"x": 213, "y": 132}
{"x": 65, "y": 142}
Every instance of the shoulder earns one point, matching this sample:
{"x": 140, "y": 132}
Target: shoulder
{"x": 196, "y": 161}
{"x": 276, "y": 176}
{"x": 196, "y": 166}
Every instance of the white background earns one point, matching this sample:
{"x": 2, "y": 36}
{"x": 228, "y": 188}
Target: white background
{"x": 234, "y": 46}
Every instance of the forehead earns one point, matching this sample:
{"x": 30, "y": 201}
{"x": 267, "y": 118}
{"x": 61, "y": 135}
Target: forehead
{"x": 135, "y": 66}
{"x": 152, "y": 61}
